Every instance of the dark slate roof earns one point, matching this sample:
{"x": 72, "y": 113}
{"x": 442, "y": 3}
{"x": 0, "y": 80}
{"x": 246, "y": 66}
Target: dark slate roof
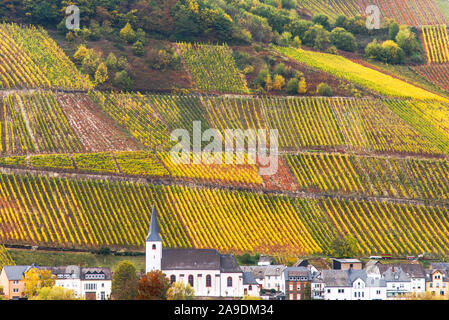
{"x": 248, "y": 279}
{"x": 297, "y": 272}
{"x": 228, "y": 264}
{"x": 86, "y": 271}
{"x": 153, "y": 232}
{"x": 66, "y": 272}
{"x": 394, "y": 274}
{"x": 429, "y": 274}
{"x": 413, "y": 270}
{"x": 336, "y": 278}
{"x": 190, "y": 259}
{"x": 15, "y": 272}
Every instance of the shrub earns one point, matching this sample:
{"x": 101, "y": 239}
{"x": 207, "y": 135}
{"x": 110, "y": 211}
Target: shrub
{"x": 317, "y": 37}
{"x": 111, "y": 61}
{"x": 122, "y": 80}
{"x": 285, "y": 39}
{"x": 296, "y": 43}
{"x": 81, "y": 53}
{"x": 302, "y": 86}
{"x": 324, "y": 89}
{"x": 393, "y": 30}
{"x": 101, "y": 75}
{"x": 406, "y": 39}
{"x": 323, "y": 20}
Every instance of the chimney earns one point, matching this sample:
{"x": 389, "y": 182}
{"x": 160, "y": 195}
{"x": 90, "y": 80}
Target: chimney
{"x": 392, "y": 269}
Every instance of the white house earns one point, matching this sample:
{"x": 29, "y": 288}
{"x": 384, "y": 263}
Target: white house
{"x": 209, "y": 273}
{"x": 87, "y": 283}
{"x": 250, "y": 285}
{"x": 398, "y": 282}
{"x": 351, "y": 285}
{"x": 269, "y": 277}
{"x": 413, "y": 271}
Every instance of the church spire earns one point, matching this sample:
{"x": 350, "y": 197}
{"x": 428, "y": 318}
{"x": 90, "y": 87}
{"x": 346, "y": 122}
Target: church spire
{"x": 153, "y": 232}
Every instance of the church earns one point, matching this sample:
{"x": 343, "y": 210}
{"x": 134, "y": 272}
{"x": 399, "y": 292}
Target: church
{"x": 210, "y": 274}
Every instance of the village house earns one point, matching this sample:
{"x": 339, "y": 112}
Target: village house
{"x": 413, "y": 270}
{"x": 250, "y": 285}
{"x": 271, "y": 277}
{"x": 209, "y": 273}
{"x": 346, "y": 264}
{"x": 297, "y": 283}
{"x": 398, "y": 282}
{"x": 352, "y": 285}
{"x": 437, "y": 282}
{"x": 11, "y": 279}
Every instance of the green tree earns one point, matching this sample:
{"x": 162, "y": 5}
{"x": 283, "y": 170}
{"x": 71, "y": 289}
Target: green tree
{"x": 292, "y": 86}
{"x": 127, "y": 33}
{"x": 286, "y": 38}
{"x": 406, "y": 39}
{"x": 138, "y": 48}
{"x": 80, "y": 53}
{"x": 55, "y": 293}
{"x": 343, "y": 39}
{"x": 317, "y": 37}
{"x": 111, "y": 61}
{"x": 344, "y": 247}
{"x": 180, "y": 291}
{"x": 324, "y": 89}
{"x": 323, "y": 20}
{"x": 153, "y": 286}
{"x": 124, "y": 281}
{"x": 307, "y": 292}
{"x": 393, "y": 30}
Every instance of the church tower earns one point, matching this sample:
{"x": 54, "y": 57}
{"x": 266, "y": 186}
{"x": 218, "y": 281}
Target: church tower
{"x": 153, "y": 245}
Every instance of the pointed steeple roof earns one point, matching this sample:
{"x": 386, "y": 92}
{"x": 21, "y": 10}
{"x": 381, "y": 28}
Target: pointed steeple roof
{"x": 153, "y": 232}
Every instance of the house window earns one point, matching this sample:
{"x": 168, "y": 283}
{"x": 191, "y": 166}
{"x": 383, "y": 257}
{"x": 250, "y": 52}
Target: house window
{"x": 15, "y": 282}
{"x": 431, "y": 285}
{"x": 172, "y": 278}
{"x": 290, "y": 297}
{"x": 103, "y": 295}
{"x": 298, "y": 287}
{"x": 90, "y": 286}
{"x": 154, "y": 247}
{"x": 291, "y": 287}
{"x": 208, "y": 281}
{"x": 250, "y": 287}
{"x": 328, "y": 290}
{"x": 377, "y": 291}
{"x": 229, "y": 281}
{"x": 442, "y": 292}
{"x": 191, "y": 280}
{"x": 15, "y": 290}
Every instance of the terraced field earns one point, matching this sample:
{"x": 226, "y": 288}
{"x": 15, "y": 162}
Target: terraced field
{"x": 93, "y": 213}
{"x": 5, "y": 259}
{"x": 436, "y": 43}
{"x": 332, "y": 8}
{"x": 31, "y": 59}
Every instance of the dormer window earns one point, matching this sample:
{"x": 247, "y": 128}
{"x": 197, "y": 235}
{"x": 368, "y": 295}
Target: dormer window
{"x": 154, "y": 247}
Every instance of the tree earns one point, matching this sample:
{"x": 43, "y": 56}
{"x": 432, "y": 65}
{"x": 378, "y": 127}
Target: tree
{"x": 323, "y": 20}
{"x": 302, "y": 86}
{"x": 344, "y": 247}
{"x": 153, "y": 286}
{"x": 101, "y": 75}
{"x": 279, "y": 82}
{"x": 81, "y": 53}
{"x": 124, "y": 281}
{"x": 111, "y": 61}
{"x": 343, "y": 39}
{"x": 180, "y": 291}
{"x": 307, "y": 292}
{"x": 138, "y": 48}
{"x": 324, "y": 89}
{"x": 268, "y": 83}
{"x": 317, "y": 37}
{"x": 296, "y": 43}
{"x": 341, "y": 21}
{"x": 292, "y": 86}
{"x": 122, "y": 80}
{"x": 285, "y": 39}
{"x": 299, "y": 27}
{"x": 55, "y": 293}
{"x": 34, "y": 279}
{"x": 406, "y": 39}
{"x": 127, "y": 33}
{"x": 392, "y": 53}
{"x": 393, "y": 30}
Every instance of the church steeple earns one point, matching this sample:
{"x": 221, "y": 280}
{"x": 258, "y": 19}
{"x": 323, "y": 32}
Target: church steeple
{"x": 153, "y": 232}
{"x": 153, "y": 244}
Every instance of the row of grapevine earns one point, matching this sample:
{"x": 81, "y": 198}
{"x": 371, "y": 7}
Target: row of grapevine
{"x": 331, "y": 8}
{"x": 409, "y": 12}
{"x": 32, "y": 59}
{"x": 213, "y": 68}
{"x": 5, "y": 259}
{"x": 436, "y": 43}
{"x": 371, "y": 176}
{"x": 142, "y": 164}
{"x": 355, "y": 125}
{"x": 369, "y": 78}
{"x": 33, "y": 122}
{"x": 93, "y": 213}
{"x": 438, "y": 74}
